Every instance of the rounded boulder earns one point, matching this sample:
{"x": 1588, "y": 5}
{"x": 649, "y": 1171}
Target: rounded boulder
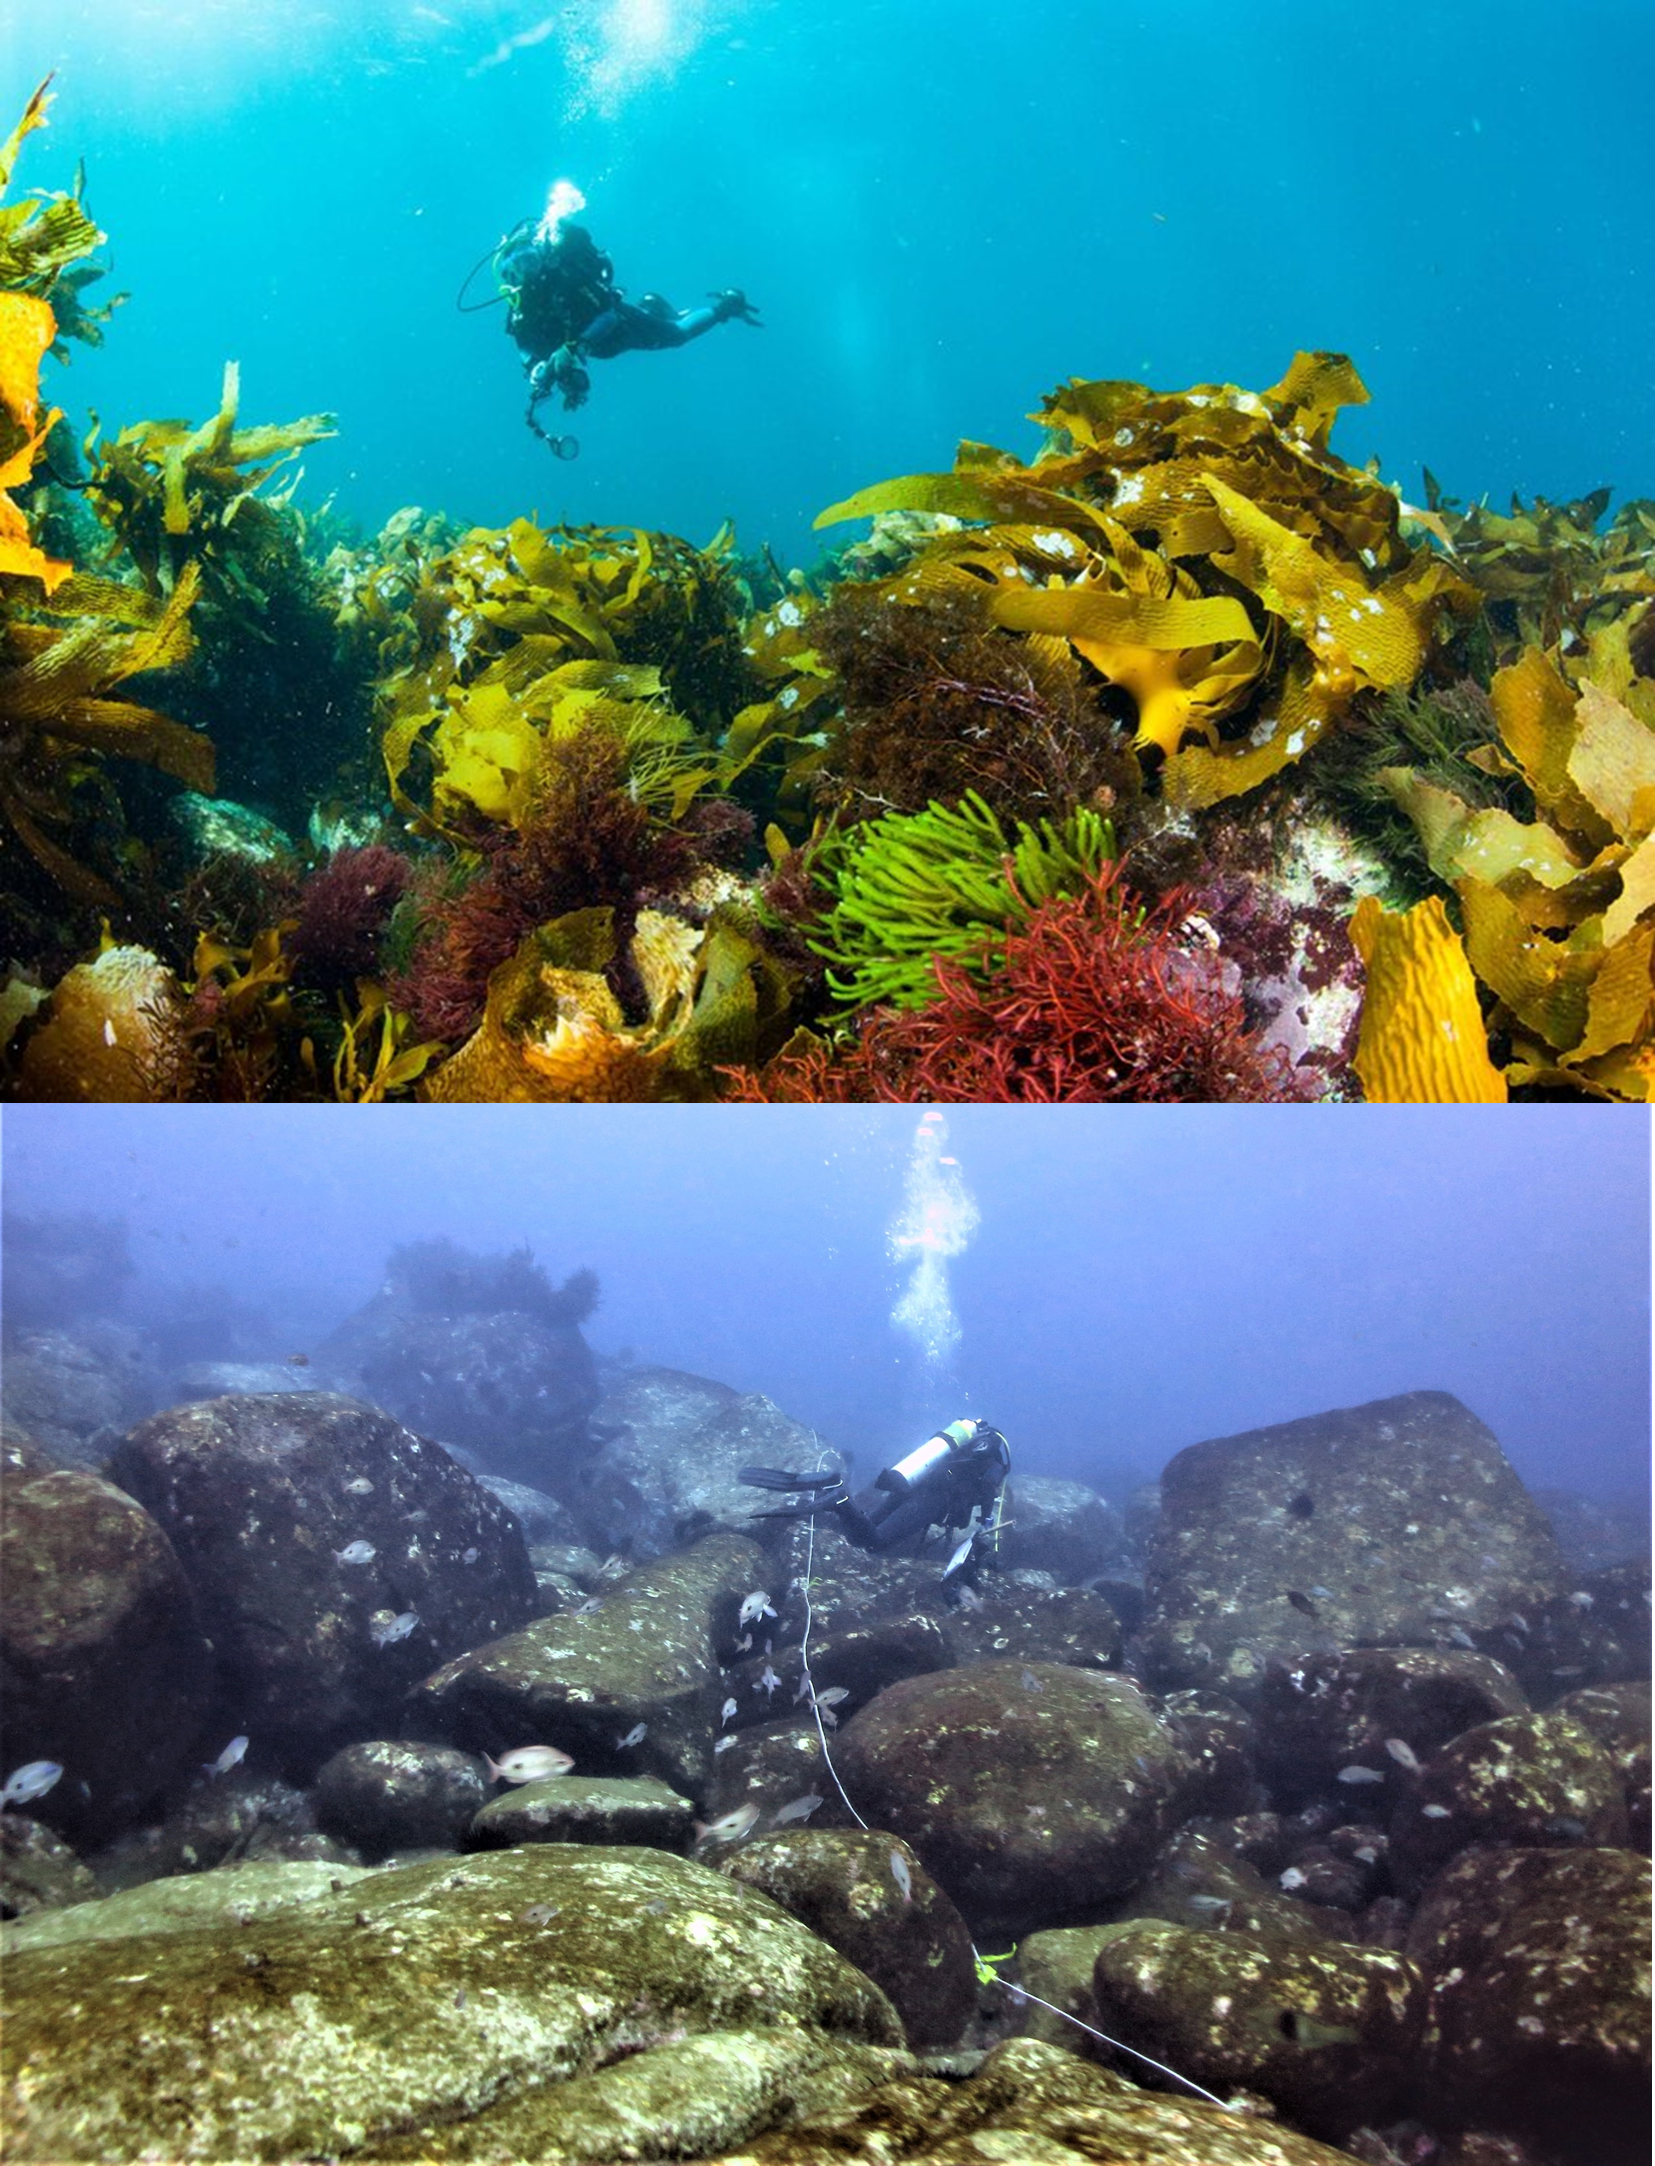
{"x": 389, "y": 1795}
{"x": 1034, "y": 1793}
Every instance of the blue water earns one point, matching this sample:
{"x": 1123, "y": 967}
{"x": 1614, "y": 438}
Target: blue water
{"x": 1138, "y": 1278}
{"x": 942, "y": 207}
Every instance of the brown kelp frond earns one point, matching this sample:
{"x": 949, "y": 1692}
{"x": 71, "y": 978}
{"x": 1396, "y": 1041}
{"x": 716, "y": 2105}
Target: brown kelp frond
{"x": 1558, "y": 909}
{"x": 171, "y": 494}
{"x": 46, "y": 241}
{"x": 1549, "y": 572}
{"x": 1205, "y": 552}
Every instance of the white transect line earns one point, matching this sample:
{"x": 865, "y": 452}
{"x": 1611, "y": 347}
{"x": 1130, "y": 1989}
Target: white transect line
{"x": 1018, "y": 1992}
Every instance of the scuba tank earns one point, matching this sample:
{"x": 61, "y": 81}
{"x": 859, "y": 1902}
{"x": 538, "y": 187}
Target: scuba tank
{"x": 923, "y": 1462}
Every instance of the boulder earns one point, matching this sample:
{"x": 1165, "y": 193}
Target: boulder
{"x": 1618, "y": 1717}
{"x": 861, "y": 1661}
{"x": 584, "y": 1682}
{"x": 1059, "y": 1527}
{"x": 1396, "y": 1524}
{"x": 75, "y": 1392}
{"x": 38, "y": 1870}
{"x": 229, "y": 1898}
{"x": 438, "y": 1994}
{"x": 545, "y": 1521}
{"x": 1328, "y": 2032}
{"x": 1539, "y": 1998}
{"x": 1593, "y": 1535}
{"x": 1536, "y": 1781}
{"x": 1032, "y": 2105}
{"x": 1596, "y": 1632}
{"x": 586, "y": 1809}
{"x": 1337, "y": 1710}
{"x": 1034, "y": 1793}
{"x": 668, "y": 1469}
{"x": 869, "y": 1896}
{"x": 271, "y": 1502}
{"x": 1217, "y": 1737}
{"x": 1069, "y": 1625}
{"x": 104, "y": 1666}
{"x": 393, "y": 1794}
{"x": 1198, "y": 1881}
{"x": 772, "y": 1769}
{"x": 244, "y": 1814}
{"x": 236, "y": 1379}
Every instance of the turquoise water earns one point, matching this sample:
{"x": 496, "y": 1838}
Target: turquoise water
{"x": 942, "y": 211}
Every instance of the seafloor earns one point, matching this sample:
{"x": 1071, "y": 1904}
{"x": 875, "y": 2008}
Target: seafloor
{"x": 1185, "y": 761}
{"x": 521, "y": 1798}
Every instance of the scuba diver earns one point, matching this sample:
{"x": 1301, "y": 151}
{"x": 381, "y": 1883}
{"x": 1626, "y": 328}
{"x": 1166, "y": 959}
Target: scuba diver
{"x": 960, "y": 1471}
{"x": 565, "y": 309}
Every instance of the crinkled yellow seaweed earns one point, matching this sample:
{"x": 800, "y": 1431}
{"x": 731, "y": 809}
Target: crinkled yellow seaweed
{"x": 1422, "y": 1038}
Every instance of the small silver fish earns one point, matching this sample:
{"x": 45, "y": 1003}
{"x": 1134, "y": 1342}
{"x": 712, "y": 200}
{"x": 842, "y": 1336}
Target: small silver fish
{"x": 234, "y": 1752}
{"x": 540, "y": 1913}
{"x": 1354, "y": 1775}
{"x": 1030, "y": 1682}
{"x": 744, "y": 1645}
{"x": 968, "y": 1597}
{"x": 804, "y": 1687}
{"x": 799, "y": 1808}
{"x": 768, "y": 1681}
{"x": 1573, "y": 1669}
{"x": 901, "y": 1875}
{"x": 527, "y": 1763}
{"x": 634, "y": 1736}
{"x": 33, "y": 1780}
{"x": 355, "y": 1553}
{"x": 729, "y": 1827}
{"x": 470, "y": 1556}
{"x": 1581, "y": 1599}
{"x": 723, "y": 1744}
{"x": 1210, "y": 1905}
{"x": 1460, "y": 1637}
{"x": 1518, "y": 1624}
{"x": 958, "y": 1558}
{"x": 1403, "y": 1754}
{"x": 1292, "y": 1879}
{"x": 385, "y": 1630}
{"x": 361, "y": 1487}
{"x": 834, "y": 1696}
{"x": 1435, "y": 1812}
{"x": 726, "y": 1711}
{"x": 755, "y": 1606}
{"x": 590, "y": 1607}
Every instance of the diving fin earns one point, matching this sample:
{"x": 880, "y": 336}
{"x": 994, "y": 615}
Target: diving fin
{"x": 775, "y": 1478}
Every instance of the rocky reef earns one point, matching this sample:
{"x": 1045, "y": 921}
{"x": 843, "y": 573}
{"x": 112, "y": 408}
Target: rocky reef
{"x": 1184, "y": 760}
{"x": 1299, "y": 1812}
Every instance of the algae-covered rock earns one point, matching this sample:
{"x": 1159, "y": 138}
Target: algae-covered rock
{"x": 1538, "y": 1781}
{"x": 1618, "y": 1716}
{"x": 675, "y": 1448}
{"x": 390, "y": 1794}
{"x": 229, "y": 1895}
{"x": 103, "y": 1663}
{"x": 1033, "y": 1792}
{"x": 1217, "y": 1735}
{"x": 771, "y": 1769}
{"x": 1031, "y": 2105}
{"x": 1328, "y": 2031}
{"x": 408, "y": 2001}
{"x": 1057, "y": 1965}
{"x": 38, "y": 1870}
{"x": 868, "y": 1896}
{"x": 299, "y": 1570}
{"x": 1539, "y": 1997}
{"x": 685, "y": 2099}
{"x": 1398, "y": 1523}
{"x": 1059, "y": 1527}
{"x": 587, "y": 1809}
{"x": 75, "y": 1390}
{"x": 584, "y": 1682}
{"x": 1071, "y": 1625}
{"x": 1197, "y": 1881}
{"x": 1334, "y": 1710}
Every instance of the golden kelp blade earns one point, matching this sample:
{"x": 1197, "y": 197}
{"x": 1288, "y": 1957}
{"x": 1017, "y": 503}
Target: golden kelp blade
{"x": 1422, "y": 1039}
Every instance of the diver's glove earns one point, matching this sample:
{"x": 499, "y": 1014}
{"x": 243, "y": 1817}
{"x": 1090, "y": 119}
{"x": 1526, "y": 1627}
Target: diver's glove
{"x": 730, "y": 302}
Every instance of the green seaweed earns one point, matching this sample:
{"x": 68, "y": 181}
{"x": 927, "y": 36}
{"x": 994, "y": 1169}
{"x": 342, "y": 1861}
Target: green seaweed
{"x": 940, "y": 882}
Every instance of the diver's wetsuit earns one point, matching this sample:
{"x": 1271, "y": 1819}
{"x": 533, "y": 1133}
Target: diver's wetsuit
{"x": 959, "y": 1470}
{"x": 566, "y": 309}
